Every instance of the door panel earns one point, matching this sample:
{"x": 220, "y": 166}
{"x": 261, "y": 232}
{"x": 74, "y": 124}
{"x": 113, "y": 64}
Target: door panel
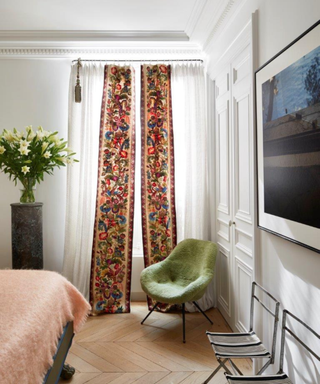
{"x": 242, "y": 129}
{"x": 234, "y": 191}
{"x": 223, "y": 195}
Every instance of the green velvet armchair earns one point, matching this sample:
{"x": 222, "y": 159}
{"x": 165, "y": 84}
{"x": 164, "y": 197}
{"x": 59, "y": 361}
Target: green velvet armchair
{"x": 182, "y": 277}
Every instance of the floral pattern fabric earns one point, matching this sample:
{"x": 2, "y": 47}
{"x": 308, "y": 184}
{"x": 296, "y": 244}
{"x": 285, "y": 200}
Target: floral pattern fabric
{"x": 112, "y": 244}
{"x": 158, "y": 208}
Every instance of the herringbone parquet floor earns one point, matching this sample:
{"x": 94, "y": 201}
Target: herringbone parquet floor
{"x": 117, "y": 349}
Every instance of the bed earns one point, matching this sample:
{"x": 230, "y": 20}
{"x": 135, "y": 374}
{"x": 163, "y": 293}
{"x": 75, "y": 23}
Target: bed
{"x": 40, "y": 312}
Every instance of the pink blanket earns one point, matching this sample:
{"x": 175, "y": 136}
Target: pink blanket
{"x": 34, "y": 308}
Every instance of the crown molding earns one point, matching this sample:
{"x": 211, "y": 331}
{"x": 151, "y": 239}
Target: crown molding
{"x": 238, "y": 44}
{"x": 228, "y": 22}
{"x": 89, "y": 36}
{"x": 218, "y": 22}
{"x": 195, "y": 16}
{"x": 113, "y": 50}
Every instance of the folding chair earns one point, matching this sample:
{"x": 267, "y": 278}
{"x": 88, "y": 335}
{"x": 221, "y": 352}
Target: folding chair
{"x": 228, "y": 346}
{"x": 280, "y": 377}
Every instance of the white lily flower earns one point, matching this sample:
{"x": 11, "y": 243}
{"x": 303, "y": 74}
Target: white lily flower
{"x": 2, "y": 150}
{"x": 68, "y": 149}
{"x": 24, "y": 143}
{"x": 24, "y": 150}
{"x": 69, "y": 160}
{"x": 47, "y": 155}
{"x": 18, "y": 136}
{"x": 54, "y": 139}
{"x": 31, "y": 135}
{"x": 40, "y": 135}
{"x": 25, "y": 169}
{"x": 44, "y": 146}
{"x": 8, "y": 135}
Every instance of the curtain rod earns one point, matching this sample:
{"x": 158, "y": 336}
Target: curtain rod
{"x": 139, "y": 61}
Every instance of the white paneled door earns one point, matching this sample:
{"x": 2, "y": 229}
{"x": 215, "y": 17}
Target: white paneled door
{"x": 235, "y": 187}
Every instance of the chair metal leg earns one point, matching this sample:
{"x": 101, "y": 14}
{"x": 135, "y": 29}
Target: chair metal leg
{"x": 150, "y": 313}
{"x": 197, "y": 305}
{"x": 235, "y": 368}
{"x": 221, "y": 365}
{"x": 264, "y": 367}
{"x": 184, "y": 322}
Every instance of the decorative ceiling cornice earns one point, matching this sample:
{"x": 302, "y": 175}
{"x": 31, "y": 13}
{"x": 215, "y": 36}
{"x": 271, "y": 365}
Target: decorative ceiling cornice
{"x": 218, "y": 23}
{"x": 127, "y": 52}
{"x": 88, "y": 36}
{"x": 195, "y": 16}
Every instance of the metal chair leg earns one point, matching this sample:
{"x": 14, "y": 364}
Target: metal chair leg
{"x": 235, "y": 368}
{"x": 150, "y": 313}
{"x": 184, "y": 322}
{"x": 197, "y": 305}
{"x": 221, "y": 365}
{"x": 264, "y": 367}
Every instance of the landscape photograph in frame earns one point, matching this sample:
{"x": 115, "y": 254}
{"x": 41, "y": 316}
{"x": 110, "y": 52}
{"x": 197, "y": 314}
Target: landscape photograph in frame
{"x": 288, "y": 141}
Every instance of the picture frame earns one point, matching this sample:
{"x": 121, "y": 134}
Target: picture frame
{"x": 287, "y": 103}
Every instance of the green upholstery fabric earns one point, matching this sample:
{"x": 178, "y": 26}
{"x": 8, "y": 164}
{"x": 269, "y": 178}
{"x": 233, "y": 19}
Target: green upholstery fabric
{"x": 184, "y": 275}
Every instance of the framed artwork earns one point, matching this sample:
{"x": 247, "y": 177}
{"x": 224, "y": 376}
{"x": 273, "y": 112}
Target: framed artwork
{"x": 288, "y": 141}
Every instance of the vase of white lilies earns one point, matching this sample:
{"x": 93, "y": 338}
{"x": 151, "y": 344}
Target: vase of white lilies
{"x": 27, "y": 156}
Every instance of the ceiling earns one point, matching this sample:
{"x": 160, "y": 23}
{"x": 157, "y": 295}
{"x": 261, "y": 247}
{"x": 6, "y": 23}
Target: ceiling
{"x": 180, "y": 28}
{"x": 96, "y": 15}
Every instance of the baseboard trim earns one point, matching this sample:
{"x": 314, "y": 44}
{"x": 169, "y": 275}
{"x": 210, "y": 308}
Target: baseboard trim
{"x": 138, "y": 296}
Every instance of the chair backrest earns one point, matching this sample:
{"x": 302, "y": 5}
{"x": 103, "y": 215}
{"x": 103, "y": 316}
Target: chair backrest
{"x": 285, "y": 328}
{"x": 193, "y": 257}
{"x": 274, "y": 313}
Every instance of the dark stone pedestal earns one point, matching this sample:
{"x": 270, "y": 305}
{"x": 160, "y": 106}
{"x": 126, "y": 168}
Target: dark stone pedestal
{"x": 27, "y": 245}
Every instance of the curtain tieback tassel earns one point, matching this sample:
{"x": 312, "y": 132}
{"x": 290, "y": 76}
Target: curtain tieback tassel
{"x": 77, "y": 96}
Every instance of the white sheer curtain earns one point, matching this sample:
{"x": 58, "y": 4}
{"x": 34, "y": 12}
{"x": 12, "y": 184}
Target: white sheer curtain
{"x": 84, "y": 127}
{"x": 191, "y": 158}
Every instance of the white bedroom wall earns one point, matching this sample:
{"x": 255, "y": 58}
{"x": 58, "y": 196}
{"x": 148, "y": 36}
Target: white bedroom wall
{"x": 289, "y": 271}
{"x": 35, "y": 92}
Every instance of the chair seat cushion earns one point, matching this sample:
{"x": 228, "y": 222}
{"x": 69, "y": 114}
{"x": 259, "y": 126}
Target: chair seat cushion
{"x": 272, "y": 379}
{"x": 237, "y": 345}
{"x": 172, "y": 292}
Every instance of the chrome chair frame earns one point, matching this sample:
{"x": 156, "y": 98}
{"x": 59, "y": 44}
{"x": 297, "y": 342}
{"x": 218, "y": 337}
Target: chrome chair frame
{"x": 285, "y": 328}
{"x": 275, "y": 314}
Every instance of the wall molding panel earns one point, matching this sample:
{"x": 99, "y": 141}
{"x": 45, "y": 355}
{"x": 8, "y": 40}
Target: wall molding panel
{"x": 243, "y": 273}
{"x": 223, "y": 229}
{"x": 224, "y": 292}
{"x": 243, "y": 241}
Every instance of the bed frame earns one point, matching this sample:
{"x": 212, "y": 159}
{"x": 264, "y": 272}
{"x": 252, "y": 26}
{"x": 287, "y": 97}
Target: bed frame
{"x": 59, "y": 368}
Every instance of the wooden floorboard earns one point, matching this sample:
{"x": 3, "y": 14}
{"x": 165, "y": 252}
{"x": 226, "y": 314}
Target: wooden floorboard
{"x": 117, "y": 349}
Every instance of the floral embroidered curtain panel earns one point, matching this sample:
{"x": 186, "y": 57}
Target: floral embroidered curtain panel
{"x": 112, "y": 226}
{"x": 157, "y": 165}
{"x": 113, "y": 229}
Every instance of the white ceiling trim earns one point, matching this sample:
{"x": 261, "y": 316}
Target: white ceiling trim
{"x": 218, "y": 23}
{"x": 110, "y": 50}
{"x": 87, "y": 36}
{"x": 195, "y": 16}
